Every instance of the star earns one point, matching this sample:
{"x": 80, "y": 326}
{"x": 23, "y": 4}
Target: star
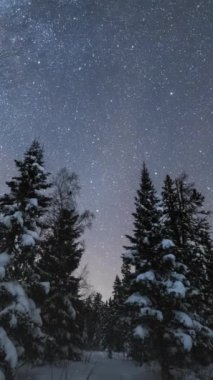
{"x": 105, "y": 87}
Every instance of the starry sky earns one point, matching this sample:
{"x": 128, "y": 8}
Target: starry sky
{"x": 105, "y": 85}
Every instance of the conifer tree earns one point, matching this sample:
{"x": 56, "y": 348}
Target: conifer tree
{"x": 124, "y": 309}
{"x": 115, "y": 311}
{"x": 166, "y": 326}
{"x": 88, "y": 321}
{"x": 116, "y": 327}
{"x": 126, "y": 279}
{"x": 21, "y": 339}
{"x": 186, "y": 221}
{"x": 94, "y": 309}
{"x": 108, "y": 332}
{"x": 20, "y": 226}
{"x": 22, "y": 210}
{"x": 184, "y": 213}
{"x": 146, "y": 233}
{"x": 170, "y": 210}
{"x": 61, "y": 255}
{"x": 98, "y": 305}
{"x": 164, "y": 312}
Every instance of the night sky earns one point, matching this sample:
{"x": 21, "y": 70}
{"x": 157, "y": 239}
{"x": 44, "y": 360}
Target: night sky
{"x": 104, "y": 85}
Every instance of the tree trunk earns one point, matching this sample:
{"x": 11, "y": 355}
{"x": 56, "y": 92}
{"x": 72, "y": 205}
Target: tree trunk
{"x": 110, "y": 353}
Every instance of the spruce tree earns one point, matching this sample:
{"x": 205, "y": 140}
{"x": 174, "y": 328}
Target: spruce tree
{"x": 98, "y": 313}
{"x": 186, "y": 221}
{"x": 108, "y": 332}
{"x": 146, "y": 235}
{"x": 124, "y": 309}
{"x": 185, "y": 217}
{"x": 93, "y": 321}
{"x": 61, "y": 254}
{"x": 146, "y": 231}
{"x": 88, "y": 321}
{"x": 166, "y": 326}
{"x": 22, "y": 210}
{"x": 21, "y": 339}
{"x": 61, "y": 257}
{"x": 164, "y": 314}
{"x": 115, "y": 311}
{"x": 116, "y": 326}
{"x": 170, "y": 210}
{"x": 126, "y": 279}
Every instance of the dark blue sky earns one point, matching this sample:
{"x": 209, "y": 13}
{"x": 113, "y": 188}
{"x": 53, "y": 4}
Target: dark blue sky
{"x": 105, "y": 85}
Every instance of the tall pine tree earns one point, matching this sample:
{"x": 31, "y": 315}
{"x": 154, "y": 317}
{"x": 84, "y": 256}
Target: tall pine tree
{"x": 186, "y": 221}
{"x": 146, "y": 231}
{"x": 116, "y": 326}
{"x": 164, "y": 311}
{"x": 166, "y": 325}
{"x": 21, "y": 339}
{"x": 146, "y": 235}
{"x": 20, "y": 227}
{"x": 22, "y": 210}
{"x": 114, "y": 329}
{"x": 61, "y": 255}
{"x": 94, "y": 308}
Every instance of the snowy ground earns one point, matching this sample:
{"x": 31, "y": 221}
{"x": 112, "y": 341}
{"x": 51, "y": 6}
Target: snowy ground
{"x": 96, "y": 366}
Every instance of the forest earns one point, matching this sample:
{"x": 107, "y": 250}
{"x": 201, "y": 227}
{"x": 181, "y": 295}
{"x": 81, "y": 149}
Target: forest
{"x": 160, "y": 310}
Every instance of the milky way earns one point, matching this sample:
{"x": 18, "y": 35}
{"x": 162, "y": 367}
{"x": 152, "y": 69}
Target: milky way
{"x": 105, "y": 85}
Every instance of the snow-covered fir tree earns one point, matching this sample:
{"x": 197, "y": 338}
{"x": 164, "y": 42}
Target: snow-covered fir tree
{"x": 61, "y": 255}
{"x": 146, "y": 235}
{"x": 22, "y": 210}
{"x": 167, "y": 327}
{"x": 186, "y": 221}
{"x": 184, "y": 214}
{"x": 146, "y": 232}
{"x": 21, "y": 338}
{"x": 164, "y": 312}
{"x": 20, "y": 227}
